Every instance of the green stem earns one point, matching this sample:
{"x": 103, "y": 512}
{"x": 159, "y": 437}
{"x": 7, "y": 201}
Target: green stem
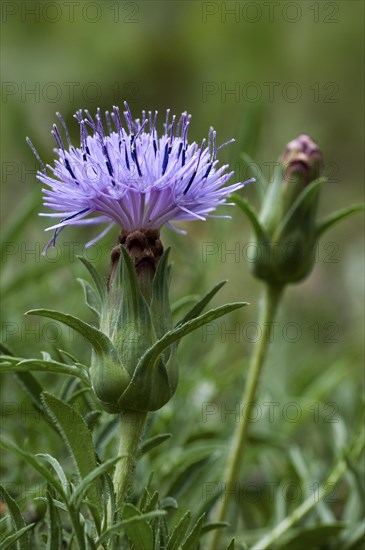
{"x": 132, "y": 424}
{"x": 269, "y": 306}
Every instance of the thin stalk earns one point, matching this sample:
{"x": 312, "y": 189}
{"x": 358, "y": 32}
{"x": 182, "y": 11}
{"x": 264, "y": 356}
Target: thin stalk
{"x": 269, "y": 306}
{"x": 132, "y": 424}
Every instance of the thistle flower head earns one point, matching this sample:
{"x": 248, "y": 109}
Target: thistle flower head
{"x": 131, "y": 176}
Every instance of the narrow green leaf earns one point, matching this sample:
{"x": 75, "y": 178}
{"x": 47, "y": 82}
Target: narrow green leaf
{"x": 146, "y": 493}
{"x": 140, "y": 533}
{"x": 83, "y": 487}
{"x": 108, "y": 495}
{"x": 9, "y": 541}
{"x": 120, "y": 526}
{"x": 199, "y": 307}
{"x": 91, "y": 298}
{"x": 99, "y": 340}
{"x": 231, "y": 545}
{"x": 57, "y": 468}
{"x": 332, "y": 219}
{"x": 191, "y": 542}
{"x": 16, "y": 516}
{"x": 153, "y": 442}
{"x": 54, "y": 538}
{"x": 34, "y": 462}
{"x": 27, "y": 365}
{"x": 98, "y": 280}
{"x": 76, "y": 436}
{"x": 152, "y": 504}
{"x": 68, "y": 355}
{"x": 252, "y": 215}
{"x": 177, "y": 333}
{"x": 179, "y": 532}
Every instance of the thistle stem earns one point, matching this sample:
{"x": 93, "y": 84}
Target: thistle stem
{"x": 132, "y": 424}
{"x": 269, "y": 306}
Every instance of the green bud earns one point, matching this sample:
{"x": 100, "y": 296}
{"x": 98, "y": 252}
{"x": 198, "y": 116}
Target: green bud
{"x": 286, "y": 246}
{"x": 135, "y": 314}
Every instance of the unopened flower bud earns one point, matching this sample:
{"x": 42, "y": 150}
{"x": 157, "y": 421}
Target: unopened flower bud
{"x": 288, "y": 215}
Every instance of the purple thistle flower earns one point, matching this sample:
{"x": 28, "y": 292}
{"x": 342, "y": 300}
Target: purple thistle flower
{"x": 133, "y": 178}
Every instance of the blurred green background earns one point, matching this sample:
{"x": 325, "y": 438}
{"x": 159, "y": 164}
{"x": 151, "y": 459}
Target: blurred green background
{"x": 261, "y": 72}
